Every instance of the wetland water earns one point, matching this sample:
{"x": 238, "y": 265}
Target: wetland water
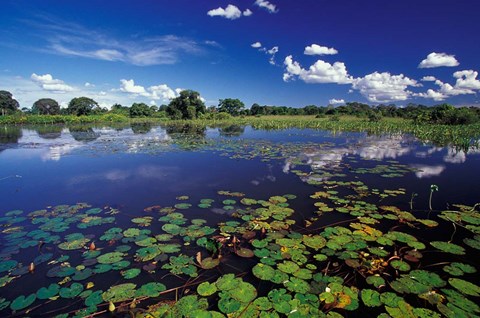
{"x": 151, "y": 197}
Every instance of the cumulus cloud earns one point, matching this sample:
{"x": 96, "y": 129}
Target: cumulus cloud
{"x": 156, "y": 92}
{"x": 247, "y": 12}
{"x": 48, "y": 83}
{"x": 231, "y": 12}
{"x": 424, "y": 171}
{"x": 128, "y": 86}
{"x": 320, "y": 72}
{"x": 438, "y": 59}
{"x": 256, "y": 45}
{"x": 428, "y": 79}
{"x": 466, "y": 83}
{"x": 467, "y": 79}
{"x": 87, "y": 84}
{"x": 335, "y": 101}
{"x": 316, "y": 49}
{"x": 384, "y": 87}
{"x": 270, "y": 7}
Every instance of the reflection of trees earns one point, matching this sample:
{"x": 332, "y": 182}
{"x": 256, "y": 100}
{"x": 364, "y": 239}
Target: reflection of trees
{"x": 231, "y": 130}
{"x": 83, "y": 133}
{"x": 141, "y": 128}
{"x": 48, "y": 131}
{"x": 187, "y": 136}
{"x": 10, "y": 134}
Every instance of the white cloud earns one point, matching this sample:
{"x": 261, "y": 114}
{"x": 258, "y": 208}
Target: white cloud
{"x": 320, "y": 72}
{"x": 48, "y": 83}
{"x": 335, "y": 101}
{"x": 270, "y": 7}
{"x": 157, "y": 92}
{"x": 384, "y": 87}
{"x": 467, "y": 79}
{"x": 87, "y": 84}
{"x": 231, "y": 12}
{"x": 162, "y": 92}
{"x": 438, "y": 59}
{"x": 247, "y": 12}
{"x": 256, "y": 45}
{"x": 272, "y": 52}
{"x": 128, "y": 86}
{"x": 436, "y": 96}
{"x": 316, "y": 49}
{"x": 428, "y": 79}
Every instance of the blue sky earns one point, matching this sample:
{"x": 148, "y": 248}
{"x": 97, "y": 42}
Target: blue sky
{"x": 278, "y": 52}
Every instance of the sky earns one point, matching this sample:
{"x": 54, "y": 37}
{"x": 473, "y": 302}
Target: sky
{"x": 279, "y": 52}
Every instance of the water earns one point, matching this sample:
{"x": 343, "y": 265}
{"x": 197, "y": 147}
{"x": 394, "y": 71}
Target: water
{"x": 131, "y": 168}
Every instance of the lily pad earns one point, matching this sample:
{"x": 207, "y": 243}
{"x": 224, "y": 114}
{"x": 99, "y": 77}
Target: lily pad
{"x": 244, "y": 292}
{"x": 465, "y": 287}
{"x": 22, "y": 302}
{"x": 110, "y": 258}
{"x": 371, "y": 298}
{"x": 448, "y": 247}
{"x": 131, "y": 273}
{"x": 47, "y": 292}
{"x": 206, "y": 289}
{"x": 71, "y": 292}
{"x": 120, "y": 292}
{"x": 152, "y": 289}
{"x": 94, "y": 298}
{"x": 244, "y": 252}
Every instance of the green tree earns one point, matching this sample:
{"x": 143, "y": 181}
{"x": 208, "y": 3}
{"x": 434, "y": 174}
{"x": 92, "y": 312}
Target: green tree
{"x": 231, "y": 106}
{"x": 46, "y": 106}
{"x": 120, "y": 110}
{"x": 8, "y": 104}
{"x": 140, "y": 110}
{"x": 186, "y": 106}
{"x": 82, "y": 106}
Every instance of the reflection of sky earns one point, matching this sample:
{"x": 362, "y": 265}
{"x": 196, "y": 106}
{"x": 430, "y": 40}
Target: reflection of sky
{"x": 56, "y": 148}
{"x": 381, "y": 148}
{"x": 144, "y": 172}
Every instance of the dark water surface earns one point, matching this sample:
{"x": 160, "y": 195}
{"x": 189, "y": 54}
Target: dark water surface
{"x": 132, "y": 168}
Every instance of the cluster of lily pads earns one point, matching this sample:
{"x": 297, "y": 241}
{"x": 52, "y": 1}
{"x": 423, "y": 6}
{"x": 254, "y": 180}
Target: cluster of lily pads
{"x": 297, "y": 270}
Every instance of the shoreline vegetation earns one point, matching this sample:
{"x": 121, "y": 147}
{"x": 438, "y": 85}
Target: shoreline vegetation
{"x": 441, "y": 125}
{"x": 460, "y": 136}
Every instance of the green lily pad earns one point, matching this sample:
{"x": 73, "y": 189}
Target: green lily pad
{"x": 465, "y": 287}
{"x": 209, "y": 263}
{"x": 297, "y": 285}
{"x": 83, "y": 274}
{"x": 245, "y": 252}
{"x": 206, "y": 289}
{"x": 244, "y": 292}
{"x": 131, "y": 273}
{"x": 7, "y": 265}
{"x": 71, "y": 292}
{"x": 288, "y": 267}
{"x": 227, "y": 282}
{"x": 110, "y": 258}
{"x": 120, "y": 292}
{"x": 228, "y": 305}
{"x": 400, "y": 265}
{"x": 94, "y": 298}
{"x": 22, "y": 302}
{"x": 371, "y": 298}
{"x": 448, "y": 247}
{"x": 376, "y": 281}
{"x": 263, "y": 272}
{"x": 316, "y": 242}
{"x": 47, "y": 292}
{"x": 459, "y": 269}
{"x": 152, "y": 289}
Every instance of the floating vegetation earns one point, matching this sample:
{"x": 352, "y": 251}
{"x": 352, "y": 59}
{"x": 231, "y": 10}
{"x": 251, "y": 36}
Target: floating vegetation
{"x": 354, "y": 249}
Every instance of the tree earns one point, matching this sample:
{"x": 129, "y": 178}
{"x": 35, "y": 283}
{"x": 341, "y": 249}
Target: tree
{"x": 46, "y": 106}
{"x": 186, "y": 106}
{"x": 8, "y": 104}
{"x": 231, "y": 106}
{"x": 140, "y": 110}
{"x": 81, "y": 106}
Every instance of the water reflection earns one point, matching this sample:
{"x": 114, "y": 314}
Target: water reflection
{"x": 82, "y": 133}
{"x": 10, "y": 135}
{"x": 141, "y": 128}
{"x": 425, "y": 171}
{"x": 231, "y": 130}
{"x": 49, "y": 131}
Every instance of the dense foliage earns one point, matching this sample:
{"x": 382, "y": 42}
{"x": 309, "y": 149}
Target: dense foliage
{"x": 46, "y": 106}
{"x": 188, "y": 105}
{"x": 82, "y": 106}
{"x": 8, "y": 104}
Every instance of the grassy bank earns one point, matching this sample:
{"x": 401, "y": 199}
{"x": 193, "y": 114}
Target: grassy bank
{"x": 462, "y": 136}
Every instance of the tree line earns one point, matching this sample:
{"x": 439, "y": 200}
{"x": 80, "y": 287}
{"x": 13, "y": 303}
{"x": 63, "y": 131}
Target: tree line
{"x": 189, "y": 105}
